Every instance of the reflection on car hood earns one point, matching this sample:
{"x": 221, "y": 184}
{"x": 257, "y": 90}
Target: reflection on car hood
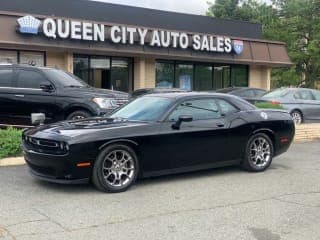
{"x": 71, "y": 129}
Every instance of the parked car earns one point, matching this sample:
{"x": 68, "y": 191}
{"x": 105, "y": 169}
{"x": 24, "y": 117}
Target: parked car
{"x": 247, "y": 93}
{"x": 56, "y": 93}
{"x": 302, "y": 103}
{"x": 144, "y": 91}
{"x": 158, "y": 134}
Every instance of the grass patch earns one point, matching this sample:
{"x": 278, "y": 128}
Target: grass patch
{"x": 10, "y": 140}
{"x": 268, "y": 105}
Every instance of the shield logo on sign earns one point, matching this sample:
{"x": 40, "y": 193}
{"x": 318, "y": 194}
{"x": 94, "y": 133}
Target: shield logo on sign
{"x": 237, "y": 46}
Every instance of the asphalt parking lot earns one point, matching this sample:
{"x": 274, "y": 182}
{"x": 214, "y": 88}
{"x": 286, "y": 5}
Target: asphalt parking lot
{"x": 281, "y": 203}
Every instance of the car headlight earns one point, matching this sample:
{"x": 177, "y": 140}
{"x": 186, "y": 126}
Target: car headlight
{"x": 104, "y": 102}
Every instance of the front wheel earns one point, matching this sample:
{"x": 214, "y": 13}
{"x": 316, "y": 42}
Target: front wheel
{"x": 116, "y": 169}
{"x": 297, "y": 117}
{"x": 78, "y": 115}
{"x": 259, "y": 153}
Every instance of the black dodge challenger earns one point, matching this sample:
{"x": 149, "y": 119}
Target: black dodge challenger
{"x": 158, "y": 134}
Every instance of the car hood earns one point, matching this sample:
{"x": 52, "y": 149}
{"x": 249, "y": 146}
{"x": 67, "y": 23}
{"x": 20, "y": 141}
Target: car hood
{"x": 86, "y": 128}
{"x": 96, "y": 92}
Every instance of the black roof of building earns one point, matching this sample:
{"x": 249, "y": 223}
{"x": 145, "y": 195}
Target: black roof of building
{"x": 114, "y": 13}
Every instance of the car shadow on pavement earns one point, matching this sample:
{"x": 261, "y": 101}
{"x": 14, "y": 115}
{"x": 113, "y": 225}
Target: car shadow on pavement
{"x": 159, "y": 180}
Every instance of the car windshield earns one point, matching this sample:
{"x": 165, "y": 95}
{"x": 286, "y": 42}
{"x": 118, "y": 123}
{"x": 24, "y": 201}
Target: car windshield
{"x": 65, "y": 78}
{"x": 280, "y": 92}
{"x": 146, "y": 108}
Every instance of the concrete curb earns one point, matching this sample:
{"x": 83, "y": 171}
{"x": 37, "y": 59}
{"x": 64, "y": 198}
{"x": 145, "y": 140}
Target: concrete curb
{"x": 12, "y": 161}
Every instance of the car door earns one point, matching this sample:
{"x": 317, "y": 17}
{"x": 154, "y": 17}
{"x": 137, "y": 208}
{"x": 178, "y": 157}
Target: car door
{"x": 6, "y": 96}
{"x": 308, "y": 104}
{"x": 30, "y": 98}
{"x": 201, "y": 142}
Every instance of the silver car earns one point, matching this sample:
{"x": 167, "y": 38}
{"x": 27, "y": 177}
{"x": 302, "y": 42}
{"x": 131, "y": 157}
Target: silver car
{"x": 302, "y": 103}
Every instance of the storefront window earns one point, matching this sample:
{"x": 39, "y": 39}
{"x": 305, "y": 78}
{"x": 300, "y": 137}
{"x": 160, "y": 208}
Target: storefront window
{"x": 203, "y": 77}
{"x": 8, "y": 56}
{"x": 200, "y": 76}
{"x": 32, "y": 58}
{"x": 221, "y": 76}
{"x": 184, "y": 76}
{"x": 103, "y": 72}
{"x": 239, "y": 76}
{"x": 81, "y": 67}
{"x": 164, "y": 74}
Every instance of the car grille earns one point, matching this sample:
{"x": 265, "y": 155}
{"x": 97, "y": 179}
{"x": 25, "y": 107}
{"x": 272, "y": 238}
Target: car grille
{"x": 117, "y": 102}
{"x": 45, "y": 146}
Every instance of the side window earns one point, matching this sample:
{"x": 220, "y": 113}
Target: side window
{"x": 30, "y": 79}
{"x": 6, "y": 76}
{"x": 247, "y": 93}
{"x": 259, "y": 93}
{"x": 199, "y": 109}
{"x": 304, "y": 95}
{"x": 316, "y": 94}
{"x": 226, "y": 108}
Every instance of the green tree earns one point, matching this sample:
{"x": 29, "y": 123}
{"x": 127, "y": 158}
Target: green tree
{"x": 295, "y": 22}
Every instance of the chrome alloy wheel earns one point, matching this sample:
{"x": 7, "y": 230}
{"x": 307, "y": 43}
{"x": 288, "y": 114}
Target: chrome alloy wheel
{"x": 118, "y": 168}
{"x": 260, "y": 152}
{"x": 297, "y": 118}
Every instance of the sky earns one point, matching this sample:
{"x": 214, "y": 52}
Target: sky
{"x": 185, "y": 6}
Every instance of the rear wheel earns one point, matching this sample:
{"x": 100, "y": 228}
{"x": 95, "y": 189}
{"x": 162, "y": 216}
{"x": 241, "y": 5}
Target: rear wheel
{"x": 115, "y": 169}
{"x": 259, "y": 153}
{"x": 297, "y": 117}
{"x": 77, "y": 115}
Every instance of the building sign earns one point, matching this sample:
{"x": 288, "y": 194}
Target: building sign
{"x": 88, "y": 31}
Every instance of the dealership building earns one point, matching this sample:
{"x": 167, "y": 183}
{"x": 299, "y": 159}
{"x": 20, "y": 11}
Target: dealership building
{"x": 125, "y": 48}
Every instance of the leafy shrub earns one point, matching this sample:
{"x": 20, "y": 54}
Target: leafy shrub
{"x": 268, "y": 105}
{"x": 10, "y": 140}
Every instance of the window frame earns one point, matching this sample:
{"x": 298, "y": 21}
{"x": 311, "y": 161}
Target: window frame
{"x": 222, "y": 116}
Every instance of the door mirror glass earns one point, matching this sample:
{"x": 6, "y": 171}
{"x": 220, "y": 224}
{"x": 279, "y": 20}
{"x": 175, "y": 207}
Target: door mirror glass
{"x": 185, "y": 118}
{"x": 182, "y": 118}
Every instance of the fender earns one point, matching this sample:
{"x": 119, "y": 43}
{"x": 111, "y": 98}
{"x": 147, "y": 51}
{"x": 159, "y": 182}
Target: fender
{"x": 117, "y": 140}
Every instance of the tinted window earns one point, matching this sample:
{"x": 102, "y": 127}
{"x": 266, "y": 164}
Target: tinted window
{"x": 225, "y": 107}
{"x": 29, "y": 79}
{"x": 64, "y": 78}
{"x": 246, "y": 93}
{"x": 199, "y": 109}
{"x": 6, "y": 76}
{"x": 258, "y": 92}
{"x": 304, "y": 95}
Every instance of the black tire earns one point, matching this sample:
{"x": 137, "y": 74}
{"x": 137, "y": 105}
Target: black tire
{"x": 297, "y": 117}
{"x": 248, "y": 161}
{"x": 98, "y": 174}
{"x": 80, "y": 114}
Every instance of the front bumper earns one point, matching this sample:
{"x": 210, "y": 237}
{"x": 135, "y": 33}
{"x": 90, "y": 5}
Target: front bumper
{"x": 58, "y": 168}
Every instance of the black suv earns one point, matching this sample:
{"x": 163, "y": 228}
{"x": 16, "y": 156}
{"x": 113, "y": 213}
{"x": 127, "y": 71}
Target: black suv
{"x": 54, "y": 92}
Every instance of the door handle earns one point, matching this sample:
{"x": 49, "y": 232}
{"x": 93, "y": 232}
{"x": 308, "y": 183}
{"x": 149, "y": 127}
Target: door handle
{"x": 18, "y": 95}
{"x": 220, "y": 124}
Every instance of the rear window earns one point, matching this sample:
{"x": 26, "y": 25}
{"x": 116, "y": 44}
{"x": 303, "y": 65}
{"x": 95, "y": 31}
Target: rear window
{"x": 6, "y": 76}
{"x": 277, "y": 93}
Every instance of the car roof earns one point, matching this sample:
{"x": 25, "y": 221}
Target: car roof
{"x": 178, "y": 95}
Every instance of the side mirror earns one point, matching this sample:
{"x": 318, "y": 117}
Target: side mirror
{"x": 182, "y": 118}
{"x": 38, "y": 118}
{"x": 46, "y": 87}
